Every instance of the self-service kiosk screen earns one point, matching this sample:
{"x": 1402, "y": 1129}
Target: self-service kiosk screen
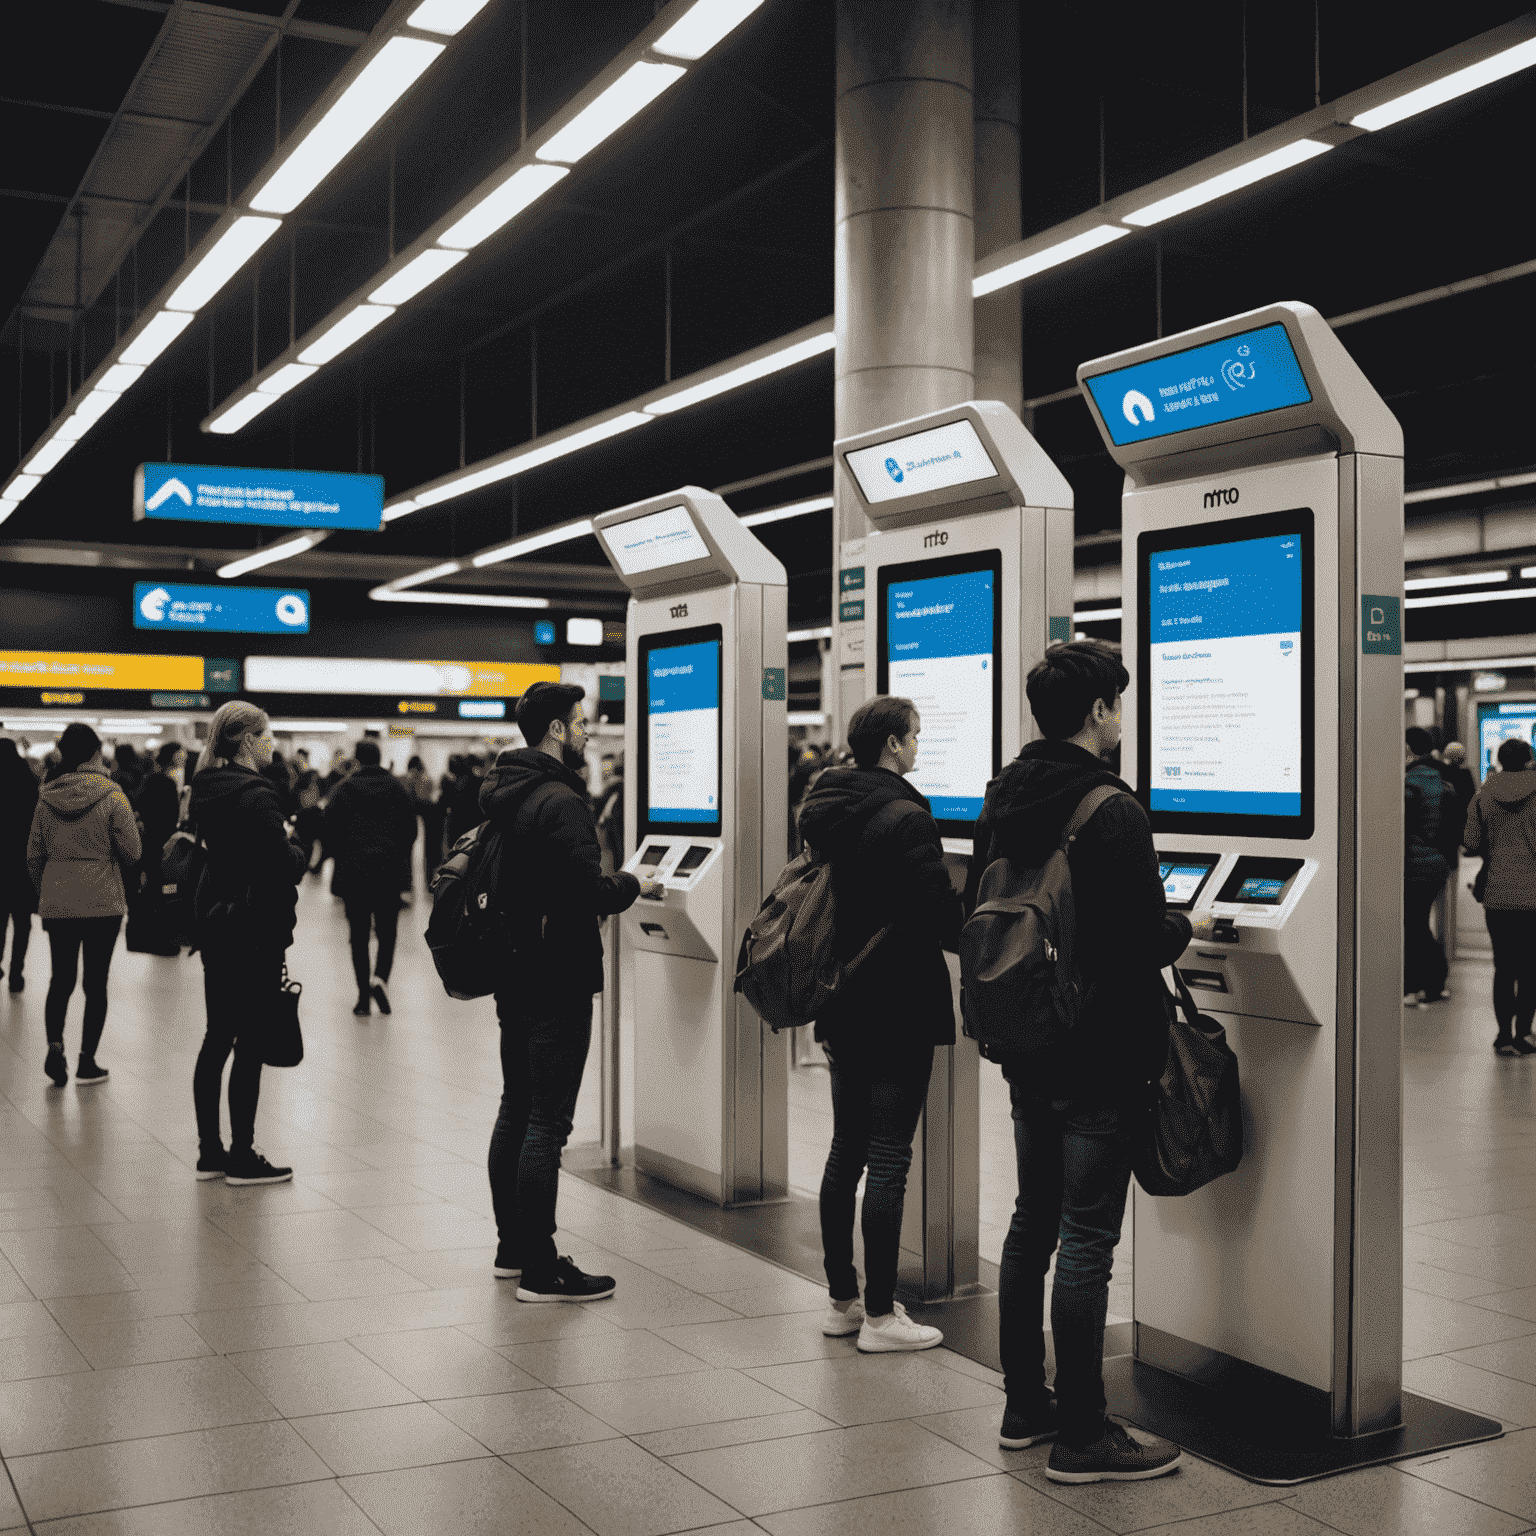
{"x": 1184, "y": 877}
{"x": 680, "y": 732}
{"x": 1508, "y": 719}
{"x": 1224, "y": 717}
{"x": 940, "y": 638}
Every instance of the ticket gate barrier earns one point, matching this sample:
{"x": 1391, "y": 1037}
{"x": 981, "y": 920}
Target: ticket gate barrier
{"x": 964, "y": 582}
{"x": 705, "y": 814}
{"x": 1262, "y": 525}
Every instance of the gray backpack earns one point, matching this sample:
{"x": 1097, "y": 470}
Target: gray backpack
{"x": 786, "y": 966}
{"x": 1020, "y": 990}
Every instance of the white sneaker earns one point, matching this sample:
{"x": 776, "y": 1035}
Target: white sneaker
{"x": 838, "y": 1325}
{"x": 896, "y": 1331}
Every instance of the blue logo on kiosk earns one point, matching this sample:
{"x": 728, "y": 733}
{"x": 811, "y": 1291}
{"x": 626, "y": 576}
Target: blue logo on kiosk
{"x": 893, "y": 469}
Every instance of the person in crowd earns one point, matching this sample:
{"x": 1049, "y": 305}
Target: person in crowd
{"x": 309, "y": 818}
{"x": 880, "y": 1030}
{"x": 129, "y": 769}
{"x": 281, "y": 779}
{"x": 370, "y": 827}
{"x": 464, "y": 808}
{"x": 340, "y": 769}
{"x": 536, "y": 798}
{"x": 1076, "y": 1108}
{"x": 1501, "y": 827}
{"x": 159, "y": 806}
{"x": 83, "y": 842}
{"x": 18, "y": 896}
{"x": 53, "y": 764}
{"x": 1454, "y": 770}
{"x": 245, "y": 907}
{"x": 1424, "y": 870}
{"x": 430, "y": 809}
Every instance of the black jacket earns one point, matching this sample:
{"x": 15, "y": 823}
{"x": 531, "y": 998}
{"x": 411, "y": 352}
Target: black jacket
{"x": 370, "y": 826}
{"x": 1125, "y": 933}
{"x": 159, "y": 808}
{"x": 251, "y": 862}
{"x": 558, "y": 888}
{"x": 887, "y": 868}
{"x": 18, "y": 801}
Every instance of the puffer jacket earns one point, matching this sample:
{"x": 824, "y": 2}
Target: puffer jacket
{"x": 1423, "y": 788}
{"x": 83, "y": 835}
{"x": 1501, "y": 826}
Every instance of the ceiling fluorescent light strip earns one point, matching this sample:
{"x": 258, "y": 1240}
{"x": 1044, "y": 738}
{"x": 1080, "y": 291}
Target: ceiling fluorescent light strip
{"x": 1469, "y": 579}
{"x": 788, "y": 510}
{"x": 459, "y": 599}
{"x": 1052, "y": 256}
{"x": 1456, "y": 599}
{"x": 1448, "y": 87}
{"x": 244, "y": 411}
{"x": 823, "y": 633}
{"x": 1238, "y": 177}
{"x": 705, "y": 24}
{"x": 221, "y": 261}
{"x": 432, "y": 573}
{"x": 1481, "y": 664}
{"x": 562, "y": 534}
{"x": 269, "y": 556}
{"x": 445, "y": 17}
{"x": 520, "y": 190}
{"x": 419, "y": 273}
{"x": 1469, "y": 488}
{"x": 626, "y": 98}
{"x": 351, "y": 327}
{"x": 746, "y": 373}
{"x": 1096, "y": 615}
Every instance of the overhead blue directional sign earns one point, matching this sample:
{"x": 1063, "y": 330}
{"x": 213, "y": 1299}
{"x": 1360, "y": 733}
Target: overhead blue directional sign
{"x": 236, "y": 610}
{"x": 271, "y": 498}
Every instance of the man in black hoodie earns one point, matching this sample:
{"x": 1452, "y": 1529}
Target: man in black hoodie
{"x": 553, "y": 893}
{"x": 370, "y": 826}
{"x": 1075, "y": 1108}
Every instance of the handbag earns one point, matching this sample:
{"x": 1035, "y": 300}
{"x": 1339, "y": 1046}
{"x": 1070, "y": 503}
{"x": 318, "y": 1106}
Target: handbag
{"x": 1194, "y": 1128}
{"x": 283, "y": 1043}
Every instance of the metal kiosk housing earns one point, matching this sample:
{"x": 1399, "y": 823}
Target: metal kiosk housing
{"x": 962, "y": 489}
{"x": 1268, "y": 1305}
{"x": 710, "y": 1090}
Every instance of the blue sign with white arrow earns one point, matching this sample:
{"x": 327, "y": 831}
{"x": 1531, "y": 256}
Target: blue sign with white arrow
{"x": 235, "y": 610}
{"x": 271, "y": 498}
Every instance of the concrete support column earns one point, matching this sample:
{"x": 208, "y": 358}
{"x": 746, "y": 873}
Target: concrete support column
{"x": 999, "y": 316}
{"x": 904, "y": 248}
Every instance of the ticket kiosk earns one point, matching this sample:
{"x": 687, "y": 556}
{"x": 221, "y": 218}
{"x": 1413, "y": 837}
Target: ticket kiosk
{"x": 1262, "y": 593}
{"x": 705, "y": 814}
{"x": 965, "y": 580}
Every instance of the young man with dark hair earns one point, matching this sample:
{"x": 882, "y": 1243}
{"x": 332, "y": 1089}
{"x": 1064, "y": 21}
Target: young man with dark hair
{"x": 370, "y": 827}
{"x": 553, "y": 894}
{"x": 1076, "y": 1107}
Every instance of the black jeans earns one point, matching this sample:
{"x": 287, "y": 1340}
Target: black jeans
{"x": 1074, "y": 1173}
{"x": 239, "y": 991}
{"x": 1424, "y": 967}
{"x": 543, "y": 1055}
{"x": 1513, "y": 934}
{"x": 877, "y": 1096}
{"x": 381, "y": 910}
{"x": 67, "y": 936}
{"x": 21, "y": 936}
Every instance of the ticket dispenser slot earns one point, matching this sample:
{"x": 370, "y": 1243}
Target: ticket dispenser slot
{"x": 683, "y": 918}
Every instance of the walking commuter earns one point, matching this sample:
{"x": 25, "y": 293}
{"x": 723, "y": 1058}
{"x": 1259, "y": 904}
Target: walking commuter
{"x": 536, "y": 799}
{"x": 880, "y": 1029}
{"x": 309, "y": 819}
{"x": 370, "y": 827}
{"x": 245, "y": 906}
{"x": 1076, "y": 1108}
{"x": 159, "y": 806}
{"x": 1501, "y": 826}
{"x": 83, "y": 842}
{"x": 1425, "y": 870}
{"x": 129, "y": 769}
{"x": 18, "y": 896}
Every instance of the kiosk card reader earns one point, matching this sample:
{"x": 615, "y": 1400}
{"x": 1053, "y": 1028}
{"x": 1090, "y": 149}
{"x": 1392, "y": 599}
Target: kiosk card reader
{"x": 1262, "y": 575}
{"x": 705, "y": 813}
{"x": 969, "y": 572}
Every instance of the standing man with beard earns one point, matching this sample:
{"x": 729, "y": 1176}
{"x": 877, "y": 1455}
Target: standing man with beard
{"x": 553, "y": 894}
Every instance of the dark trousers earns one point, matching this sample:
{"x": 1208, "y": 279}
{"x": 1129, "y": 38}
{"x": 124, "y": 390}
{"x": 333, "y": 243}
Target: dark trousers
{"x": 380, "y": 909}
{"x": 1424, "y": 967}
{"x": 543, "y": 1055}
{"x": 877, "y": 1096}
{"x": 1074, "y": 1173}
{"x": 308, "y": 828}
{"x": 67, "y": 936}
{"x": 20, "y": 919}
{"x": 239, "y": 991}
{"x": 1513, "y": 934}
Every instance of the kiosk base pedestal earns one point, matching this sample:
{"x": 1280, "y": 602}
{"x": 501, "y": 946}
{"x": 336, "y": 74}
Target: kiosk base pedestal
{"x": 1262, "y": 1439}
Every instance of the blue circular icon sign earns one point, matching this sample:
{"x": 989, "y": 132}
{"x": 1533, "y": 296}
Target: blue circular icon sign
{"x": 893, "y": 469}
{"x": 291, "y": 609}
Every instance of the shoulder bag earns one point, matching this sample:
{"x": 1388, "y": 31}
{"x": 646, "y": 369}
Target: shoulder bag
{"x": 283, "y": 1043}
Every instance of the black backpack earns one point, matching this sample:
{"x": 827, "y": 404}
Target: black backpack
{"x": 182, "y": 862}
{"x": 1020, "y": 989}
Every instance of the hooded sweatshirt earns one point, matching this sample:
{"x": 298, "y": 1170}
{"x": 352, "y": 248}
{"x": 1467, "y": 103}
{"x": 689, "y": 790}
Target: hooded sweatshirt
{"x": 370, "y": 825}
{"x": 1125, "y": 932}
{"x": 251, "y": 862}
{"x": 83, "y": 832}
{"x": 887, "y": 869}
{"x": 556, "y": 889}
{"x": 1501, "y": 826}
{"x": 1423, "y": 789}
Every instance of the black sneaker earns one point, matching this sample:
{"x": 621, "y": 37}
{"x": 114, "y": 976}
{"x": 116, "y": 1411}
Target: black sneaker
{"x": 55, "y": 1065}
{"x": 17, "y": 984}
{"x": 1524, "y": 1045}
{"x": 506, "y": 1266}
{"x": 362, "y": 1007}
{"x": 252, "y": 1168}
{"x": 1113, "y": 1458}
{"x": 87, "y": 1071}
{"x": 212, "y": 1165}
{"x": 380, "y": 994}
{"x": 565, "y": 1283}
{"x": 1022, "y": 1430}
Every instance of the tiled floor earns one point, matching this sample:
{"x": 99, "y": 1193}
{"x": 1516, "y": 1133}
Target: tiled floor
{"x": 333, "y": 1356}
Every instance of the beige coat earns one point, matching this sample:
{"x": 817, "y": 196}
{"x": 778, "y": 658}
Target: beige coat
{"x": 83, "y": 832}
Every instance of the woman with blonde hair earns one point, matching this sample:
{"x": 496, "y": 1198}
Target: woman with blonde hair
{"x": 245, "y": 906}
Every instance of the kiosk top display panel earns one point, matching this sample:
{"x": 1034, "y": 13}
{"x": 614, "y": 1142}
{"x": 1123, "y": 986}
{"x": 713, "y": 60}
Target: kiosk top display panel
{"x": 1225, "y": 710}
{"x": 664, "y": 538}
{"x": 924, "y": 461}
{"x": 1248, "y": 374}
{"x": 940, "y": 640}
{"x": 679, "y": 788}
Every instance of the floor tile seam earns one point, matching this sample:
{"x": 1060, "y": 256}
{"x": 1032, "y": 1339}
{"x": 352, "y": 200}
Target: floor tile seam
{"x": 1456, "y": 1354}
{"x": 1514, "y": 1514}
{"x": 93, "y": 1445}
{"x": 16, "y": 1494}
{"x": 308, "y": 1482}
{"x": 1514, "y": 1317}
{"x": 1279, "y": 1496}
